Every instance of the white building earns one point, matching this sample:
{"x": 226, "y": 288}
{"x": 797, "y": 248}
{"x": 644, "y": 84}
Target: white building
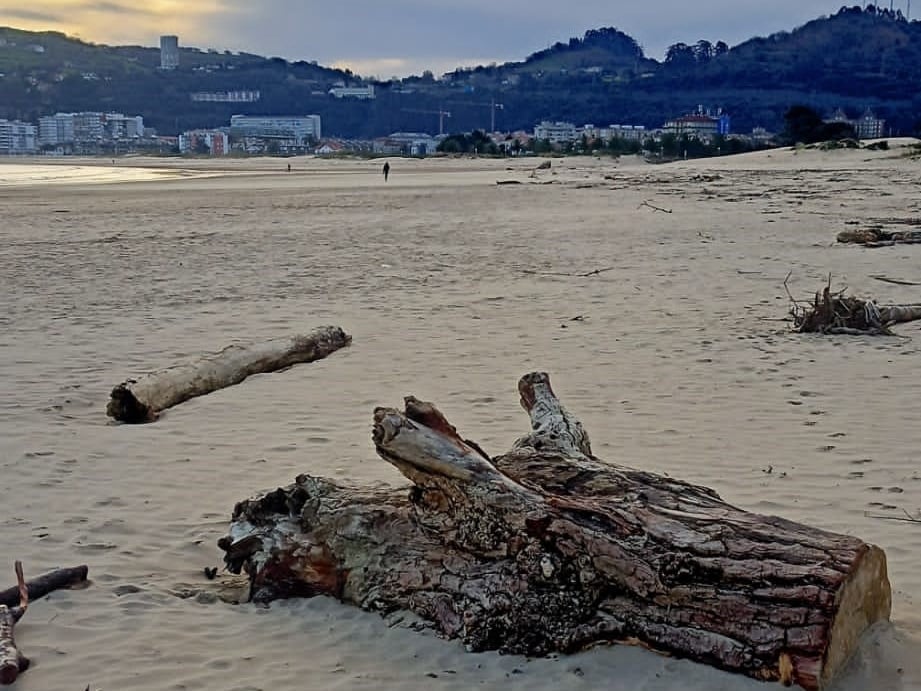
{"x": 241, "y": 96}
{"x": 293, "y": 131}
{"x": 18, "y": 137}
{"x": 119, "y": 126}
{"x": 56, "y": 130}
{"x": 359, "y": 92}
{"x": 88, "y": 128}
{"x": 169, "y": 52}
{"x": 555, "y": 132}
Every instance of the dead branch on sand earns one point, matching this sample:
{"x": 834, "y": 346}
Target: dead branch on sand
{"x": 546, "y": 548}
{"x": 654, "y": 207}
{"x": 837, "y": 313}
{"x": 907, "y": 518}
{"x": 877, "y": 237}
{"x": 594, "y": 272}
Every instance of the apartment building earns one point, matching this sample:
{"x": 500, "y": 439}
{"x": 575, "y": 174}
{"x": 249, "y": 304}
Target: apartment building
{"x": 288, "y": 133}
{"x": 18, "y": 137}
{"x": 88, "y": 129}
{"x": 555, "y": 132}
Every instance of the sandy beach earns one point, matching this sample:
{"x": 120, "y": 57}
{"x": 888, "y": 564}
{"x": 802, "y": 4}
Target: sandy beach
{"x": 674, "y": 357}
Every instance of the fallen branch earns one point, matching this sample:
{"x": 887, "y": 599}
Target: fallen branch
{"x": 877, "y": 237}
{"x": 908, "y": 518}
{"x": 143, "y": 400}
{"x": 594, "y": 272}
{"x": 12, "y": 661}
{"x": 546, "y": 548}
{"x": 836, "y": 313}
{"x": 46, "y": 583}
{"x": 655, "y": 208}
{"x": 896, "y": 281}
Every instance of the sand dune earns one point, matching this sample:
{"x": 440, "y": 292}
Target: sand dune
{"x": 452, "y": 288}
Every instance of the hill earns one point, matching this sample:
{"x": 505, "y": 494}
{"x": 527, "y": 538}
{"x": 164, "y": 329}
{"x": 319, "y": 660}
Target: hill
{"x": 855, "y": 59}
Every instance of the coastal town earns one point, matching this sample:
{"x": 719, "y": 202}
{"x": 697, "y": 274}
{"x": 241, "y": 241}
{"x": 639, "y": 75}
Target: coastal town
{"x": 114, "y": 133}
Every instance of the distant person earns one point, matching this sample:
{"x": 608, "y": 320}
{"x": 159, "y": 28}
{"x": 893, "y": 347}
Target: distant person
{"x": 386, "y": 170}
{"x": 289, "y": 167}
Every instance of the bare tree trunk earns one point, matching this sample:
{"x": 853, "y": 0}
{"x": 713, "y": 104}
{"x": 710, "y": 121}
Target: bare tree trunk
{"x": 546, "y": 548}
{"x": 144, "y": 399}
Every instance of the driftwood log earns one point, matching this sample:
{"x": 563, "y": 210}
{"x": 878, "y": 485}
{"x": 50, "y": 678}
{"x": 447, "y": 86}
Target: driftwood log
{"x": 546, "y": 548}
{"x": 837, "y": 313}
{"x": 142, "y": 400}
{"x": 13, "y": 604}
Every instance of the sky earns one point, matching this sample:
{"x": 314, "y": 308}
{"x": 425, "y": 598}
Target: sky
{"x": 385, "y": 38}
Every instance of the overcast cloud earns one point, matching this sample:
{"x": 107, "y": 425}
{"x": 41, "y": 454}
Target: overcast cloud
{"x": 399, "y": 37}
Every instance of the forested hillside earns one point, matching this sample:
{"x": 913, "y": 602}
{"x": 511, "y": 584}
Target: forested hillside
{"x": 855, "y": 59}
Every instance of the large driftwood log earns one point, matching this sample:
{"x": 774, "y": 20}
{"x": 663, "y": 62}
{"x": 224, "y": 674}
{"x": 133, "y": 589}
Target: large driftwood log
{"x": 546, "y": 548}
{"x": 142, "y": 400}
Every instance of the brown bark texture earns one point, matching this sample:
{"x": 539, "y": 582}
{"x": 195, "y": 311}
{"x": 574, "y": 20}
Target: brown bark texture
{"x": 546, "y": 548}
{"x": 142, "y": 400}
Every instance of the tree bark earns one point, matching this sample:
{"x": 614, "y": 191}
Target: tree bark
{"x": 144, "y": 399}
{"x": 546, "y": 548}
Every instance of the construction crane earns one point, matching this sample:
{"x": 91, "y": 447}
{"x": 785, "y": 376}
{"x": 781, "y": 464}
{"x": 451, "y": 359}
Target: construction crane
{"x": 493, "y": 106}
{"x": 442, "y": 114}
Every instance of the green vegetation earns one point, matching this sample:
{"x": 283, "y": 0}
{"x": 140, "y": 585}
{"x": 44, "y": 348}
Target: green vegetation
{"x": 855, "y": 59}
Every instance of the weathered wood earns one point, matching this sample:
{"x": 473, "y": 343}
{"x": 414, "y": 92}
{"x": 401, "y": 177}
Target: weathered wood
{"x": 837, "y": 313}
{"x": 142, "y": 400}
{"x": 546, "y": 548}
{"x": 46, "y": 583}
{"x": 12, "y": 661}
{"x": 877, "y": 237}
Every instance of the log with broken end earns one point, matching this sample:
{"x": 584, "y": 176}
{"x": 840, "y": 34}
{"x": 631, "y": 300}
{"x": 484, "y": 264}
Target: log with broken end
{"x": 547, "y": 548}
{"x": 144, "y": 399}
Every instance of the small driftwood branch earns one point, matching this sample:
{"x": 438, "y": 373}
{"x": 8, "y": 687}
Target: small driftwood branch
{"x": 896, "y": 281}
{"x": 46, "y": 583}
{"x": 143, "y": 400}
{"x": 546, "y": 548}
{"x": 12, "y": 661}
{"x": 594, "y": 272}
{"x": 655, "y": 208}
{"x": 837, "y": 313}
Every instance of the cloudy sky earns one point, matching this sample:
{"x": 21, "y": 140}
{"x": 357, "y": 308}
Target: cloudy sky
{"x": 384, "y": 38}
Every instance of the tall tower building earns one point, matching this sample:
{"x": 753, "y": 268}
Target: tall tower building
{"x": 169, "y": 52}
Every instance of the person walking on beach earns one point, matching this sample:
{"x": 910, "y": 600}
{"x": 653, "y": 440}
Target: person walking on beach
{"x": 386, "y": 170}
